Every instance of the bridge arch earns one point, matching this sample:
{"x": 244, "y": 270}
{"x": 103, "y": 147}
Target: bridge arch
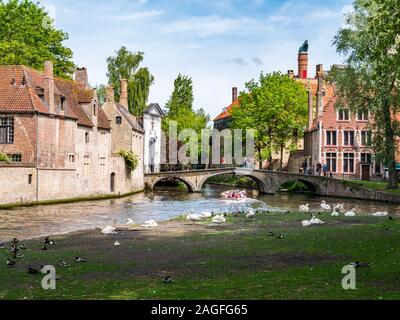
{"x": 257, "y": 180}
{"x": 187, "y": 182}
{"x": 314, "y": 188}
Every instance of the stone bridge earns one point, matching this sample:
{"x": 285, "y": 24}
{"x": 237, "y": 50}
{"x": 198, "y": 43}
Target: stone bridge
{"x": 270, "y": 181}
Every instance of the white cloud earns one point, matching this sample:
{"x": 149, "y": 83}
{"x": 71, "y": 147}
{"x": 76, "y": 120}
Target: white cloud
{"x": 206, "y": 26}
{"x": 136, "y": 16}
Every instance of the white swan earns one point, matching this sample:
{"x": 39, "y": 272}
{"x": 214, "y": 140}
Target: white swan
{"x": 117, "y": 244}
{"x": 150, "y": 224}
{"x": 380, "y": 214}
{"x": 351, "y": 213}
{"x": 251, "y": 214}
{"x": 194, "y": 217}
{"x": 108, "y": 230}
{"x": 325, "y": 206}
{"x": 306, "y": 223}
{"x": 316, "y": 221}
{"x": 219, "y": 219}
{"x": 130, "y": 222}
{"x": 206, "y": 215}
{"x": 336, "y": 210}
{"x": 304, "y": 208}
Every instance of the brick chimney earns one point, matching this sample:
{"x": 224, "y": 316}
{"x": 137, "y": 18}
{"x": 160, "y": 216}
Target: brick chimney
{"x": 123, "y": 100}
{"x": 320, "y": 90}
{"x": 303, "y": 65}
{"x": 81, "y": 76}
{"x": 110, "y": 94}
{"x": 234, "y": 94}
{"x": 49, "y": 86}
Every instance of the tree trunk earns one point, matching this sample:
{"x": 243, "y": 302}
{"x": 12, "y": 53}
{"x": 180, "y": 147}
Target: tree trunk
{"x": 281, "y": 160}
{"x": 390, "y": 146}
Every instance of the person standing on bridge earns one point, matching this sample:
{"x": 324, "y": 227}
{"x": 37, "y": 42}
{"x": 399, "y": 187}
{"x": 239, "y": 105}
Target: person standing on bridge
{"x": 325, "y": 169}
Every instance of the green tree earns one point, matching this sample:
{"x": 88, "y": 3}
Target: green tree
{"x": 101, "y": 94}
{"x": 28, "y": 37}
{"x": 276, "y": 108}
{"x": 125, "y": 65}
{"x": 371, "y": 44}
{"x": 179, "y": 107}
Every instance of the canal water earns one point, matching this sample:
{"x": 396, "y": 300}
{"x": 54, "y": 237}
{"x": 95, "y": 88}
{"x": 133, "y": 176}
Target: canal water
{"x": 33, "y": 222}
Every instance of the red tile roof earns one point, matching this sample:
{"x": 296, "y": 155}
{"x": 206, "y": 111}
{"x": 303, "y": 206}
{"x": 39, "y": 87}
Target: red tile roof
{"x": 18, "y": 94}
{"x": 227, "y": 113}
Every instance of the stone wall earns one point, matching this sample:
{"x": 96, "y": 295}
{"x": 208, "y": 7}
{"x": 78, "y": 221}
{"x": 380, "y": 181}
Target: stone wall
{"x": 15, "y": 186}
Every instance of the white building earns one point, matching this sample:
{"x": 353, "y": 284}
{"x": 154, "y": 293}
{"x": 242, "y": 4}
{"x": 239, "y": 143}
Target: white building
{"x": 152, "y": 118}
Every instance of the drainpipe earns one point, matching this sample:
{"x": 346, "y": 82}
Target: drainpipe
{"x": 37, "y": 157}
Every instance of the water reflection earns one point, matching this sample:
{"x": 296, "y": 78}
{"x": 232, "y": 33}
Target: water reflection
{"x": 38, "y": 221}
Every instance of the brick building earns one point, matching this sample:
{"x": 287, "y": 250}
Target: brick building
{"x": 57, "y": 138}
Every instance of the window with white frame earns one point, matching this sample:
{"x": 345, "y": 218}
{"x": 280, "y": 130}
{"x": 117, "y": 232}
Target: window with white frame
{"x": 6, "y": 130}
{"x": 365, "y": 138}
{"x": 366, "y": 158}
{"x": 331, "y": 138}
{"x": 331, "y": 162}
{"x": 363, "y": 115}
{"x": 344, "y": 115}
{"x": 348, "y": 163}
{"x": 348, "y": 138}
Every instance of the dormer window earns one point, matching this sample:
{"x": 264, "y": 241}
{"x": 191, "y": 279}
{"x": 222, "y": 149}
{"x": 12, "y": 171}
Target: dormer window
{"x": 118, "y": 120}
{"x": 63, "y": 102}
{"x": 94, "y": 110}
{"x": 41, "y": 97}
{"x": 13, "y": 82}
{"x": 23, "y": 83}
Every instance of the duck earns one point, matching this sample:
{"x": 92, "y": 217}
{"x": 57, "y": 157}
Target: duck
{"x": 117, "y": 244}
{"x": 351, "y": 213}
{"x": 167, "y": 280}
{"x": 44, "y": 248}
{"x": 15, "y": 241}
{"x": 22, "y": 247}
{"x": 18, "y": 255}
{"x": 14, "y": 249}
{"x": 219, "y": 219}
{"x": 380, "y": 214}
{"x": 359, "y": 264}
{"x": 62, "y": 264}
{"x": 150, "y": 224}
{"x": 304, "y": 208}
{"x": 49, "y": 242}
{"x": 306, "y": 223}
{"x": 11, "y": 263}
{"x": 108, "y": 230}
{"x": 271, "y": 234}
{"x": 32, "y": 270}
{"x": 251, "y": 214}
{"x": 130, "y": 222}
{"x": 80, "y": 260}
{"x": 194, "y": 217}
{"x": 316, "y": 221}
{"x": 280, "y": 236}
{"x": 325, "y": 207}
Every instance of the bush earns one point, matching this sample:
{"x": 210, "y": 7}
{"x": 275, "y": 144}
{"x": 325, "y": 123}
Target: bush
{"x": 131, "y": 159}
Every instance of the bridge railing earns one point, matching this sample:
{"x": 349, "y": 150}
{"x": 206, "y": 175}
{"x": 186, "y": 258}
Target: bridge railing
{"x": 191, "y": 167}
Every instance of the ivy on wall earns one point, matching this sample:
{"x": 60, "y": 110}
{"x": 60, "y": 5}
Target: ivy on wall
{"x": 3, "y": 158}
{"x": 131, "y": 159}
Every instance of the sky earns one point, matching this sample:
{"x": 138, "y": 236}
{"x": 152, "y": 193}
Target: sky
{"x": 220, "y": 44}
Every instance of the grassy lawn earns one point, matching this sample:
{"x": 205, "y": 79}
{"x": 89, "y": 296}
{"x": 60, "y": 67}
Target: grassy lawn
{"x": 376, "y": 185}
{"x": 235, "y": 261}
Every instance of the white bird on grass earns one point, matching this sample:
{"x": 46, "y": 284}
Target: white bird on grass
{"x": 380, "y": 214}
{"x": 251, "y": 214}
{"x": 117, "y": 244}
{"x": 316, "y": 221}
{"x": 108, "y": 230}
{"x": 325, "y": 206}
{"x": 304, "y": 208}
{"x": 194, "y": 217}
{"x": 150, "y": 224}
{"x": 219, "y": 219}
{"x": 351, "y": 213}
{"x": 336, "y": 210}
{"x": 206, "y": 215}
{"x": 306, "y": 223}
